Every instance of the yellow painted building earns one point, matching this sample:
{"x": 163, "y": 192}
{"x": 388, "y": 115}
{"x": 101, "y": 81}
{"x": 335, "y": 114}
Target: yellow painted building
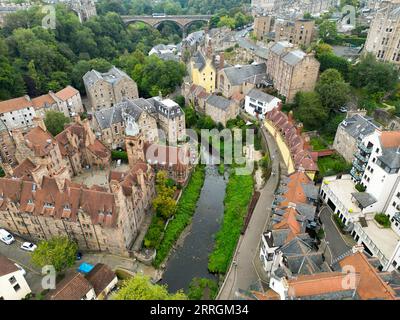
{"x": 203, "y": 72}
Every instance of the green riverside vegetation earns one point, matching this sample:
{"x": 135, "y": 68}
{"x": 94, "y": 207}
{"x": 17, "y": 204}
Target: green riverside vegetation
{"x": 202, "y": 289}
{"x": 185, "y": 210}
{"x": 239, "y": 191}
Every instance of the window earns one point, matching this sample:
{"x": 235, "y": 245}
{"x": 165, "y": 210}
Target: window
{"x": 12, "y": 280}
{"x": 17, "y": 287}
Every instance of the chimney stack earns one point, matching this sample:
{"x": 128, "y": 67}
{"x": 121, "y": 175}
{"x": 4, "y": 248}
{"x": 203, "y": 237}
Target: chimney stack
{"x": 221, "y": 61}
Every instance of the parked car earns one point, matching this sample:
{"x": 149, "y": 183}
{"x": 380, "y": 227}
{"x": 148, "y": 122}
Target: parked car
{"x": 6, "y": 237}
{"x": 28, "y": 246}
{"x": 21, "y": 269}
{"x": 79, "y": 255}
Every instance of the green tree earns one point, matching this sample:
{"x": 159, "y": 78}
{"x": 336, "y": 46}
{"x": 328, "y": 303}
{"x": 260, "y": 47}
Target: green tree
{"x": 374, "y": 76}
{"x": 55, "y": 121}
{"x": 139, "y": 287}
{"x": 226, "y": 21}
{"x": 309, "y": 110}
{"x": 332, "y": 61}
{"x": 59, "y": 252}
{"x": 164, "y": 203}
{"x": 332, "y": 89}
{"x": 327, "y": 31}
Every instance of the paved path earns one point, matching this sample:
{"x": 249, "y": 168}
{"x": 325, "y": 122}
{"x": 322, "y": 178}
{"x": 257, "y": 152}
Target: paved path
{"x": 242, "y": 273}
{"x": 337, "y": 245}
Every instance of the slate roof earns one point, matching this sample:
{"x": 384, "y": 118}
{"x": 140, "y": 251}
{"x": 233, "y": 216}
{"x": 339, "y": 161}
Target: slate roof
{"x": 118, "y": 113}
{"x": 261, "y": 96}
{"x": 168, "y": 108}
{"x": 248, "y": 73}
{"x": 364, "y": 199}
{"x": 111, "y": 76}
{"x": 391, "y": 157}
{"x": 280, "y": 47}
{"x": 100, "y": 277}
{"x": 359, "y": 126}
{"x": 294, "y": 57}
{"x": 199, "y": 60}
{"x": 219, "y": 102}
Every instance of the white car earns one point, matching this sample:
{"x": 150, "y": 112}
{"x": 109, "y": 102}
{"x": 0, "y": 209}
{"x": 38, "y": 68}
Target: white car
{"x": 20, "y": 269}
{"x": 6, "y": 237}
{"x": 28, "y": 246}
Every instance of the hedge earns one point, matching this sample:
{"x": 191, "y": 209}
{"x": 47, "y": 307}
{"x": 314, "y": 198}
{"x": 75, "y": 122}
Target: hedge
{"x": 183, "y": 216}
{"x": 239, "y": 191}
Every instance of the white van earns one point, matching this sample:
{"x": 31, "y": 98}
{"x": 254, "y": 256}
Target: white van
{"x": 6, "y": 237}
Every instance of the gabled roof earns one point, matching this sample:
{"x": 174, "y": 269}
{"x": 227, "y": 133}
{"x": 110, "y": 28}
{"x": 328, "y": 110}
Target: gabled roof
{"x": 247, "y": 73}
{"x": 15, "y": 104}
{"x": 219, "y": 102}
{"x": 73, "y": 287}
{"x": 67, "y": 93}
{"x": 6, "y": 266}
{"x": 261, "y": 96}
{"x": 100, "y": 277}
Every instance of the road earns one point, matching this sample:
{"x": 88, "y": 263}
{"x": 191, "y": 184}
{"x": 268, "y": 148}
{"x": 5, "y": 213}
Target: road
{"x": 336, "y": 245}
{"x": 242, "y": 273}
{"x": 245, "y": 42}
{"x": 23, "y": 258}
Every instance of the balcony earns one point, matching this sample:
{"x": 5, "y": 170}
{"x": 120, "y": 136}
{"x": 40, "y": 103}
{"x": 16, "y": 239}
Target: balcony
{"x": 360, "y": 157}
{"x": 358, "y": 166}
{"x": 355, "y": 175}
{"x": 364, "y": 148}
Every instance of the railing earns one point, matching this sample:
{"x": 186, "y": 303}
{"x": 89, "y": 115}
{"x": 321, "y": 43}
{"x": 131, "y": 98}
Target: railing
{"x": 370, "y": 244}
{"x": 360, "y": 157}
{"x": 358, "y": 166}
{"x": 355, "y": 175}
{"x": 364, "y": 148}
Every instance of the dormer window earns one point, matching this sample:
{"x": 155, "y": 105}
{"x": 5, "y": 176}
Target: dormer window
{"x": 34, "y": 187}
{"x": 67, "y": 207}
{"x": 48, "y": 205}
{"x": 30, "y": 201}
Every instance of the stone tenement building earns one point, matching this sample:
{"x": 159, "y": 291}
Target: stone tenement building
{"x": 300, "y": 32}
{"x": 105, "y": 90}
{"x": 98, "y": 218}
{"x": 263, "y": 26}
{"x": 38, "y": 153}
{"x": 384, "y": 36}
{"x": 7, "y": 146}
{"x": 110, "y": 123}
{"x": 291, "y": 70}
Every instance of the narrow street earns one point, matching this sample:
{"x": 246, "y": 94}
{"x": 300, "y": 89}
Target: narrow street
{"x": 242, "y": 272}
{"x": 336, "y": 243}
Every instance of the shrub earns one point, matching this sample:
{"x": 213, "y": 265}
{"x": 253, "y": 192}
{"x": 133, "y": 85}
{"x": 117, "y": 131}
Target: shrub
{"x": 239, "y": 191}
{"x": 184, "y": 212}
{"x": 339, "y": 222}
{"x": 383, "y": 220}
{"x": 202, "y": 289}
{"x": 115, "y": 154}
{"x": 360, "y": 188}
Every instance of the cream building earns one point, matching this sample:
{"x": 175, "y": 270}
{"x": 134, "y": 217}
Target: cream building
{"x": 13, "y": 285}
{"x": 384, "y": 36}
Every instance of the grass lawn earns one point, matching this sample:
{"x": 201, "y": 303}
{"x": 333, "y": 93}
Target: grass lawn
{"x": 332, "y": 165}
{"x": 318, "y": 144}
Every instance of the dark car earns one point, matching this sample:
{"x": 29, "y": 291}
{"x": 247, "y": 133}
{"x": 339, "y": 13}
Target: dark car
{"x": 79, "y": 255}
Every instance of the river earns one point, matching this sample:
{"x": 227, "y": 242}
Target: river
{"x": 191, "y": 259}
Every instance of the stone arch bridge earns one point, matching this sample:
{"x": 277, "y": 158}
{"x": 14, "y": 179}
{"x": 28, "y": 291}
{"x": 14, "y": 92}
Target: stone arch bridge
{"x": 182, "y": 21}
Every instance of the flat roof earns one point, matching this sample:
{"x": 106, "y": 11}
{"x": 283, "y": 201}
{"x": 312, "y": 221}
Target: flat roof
{"x": 384, "y": 238}
{"x": 343, "y": 188}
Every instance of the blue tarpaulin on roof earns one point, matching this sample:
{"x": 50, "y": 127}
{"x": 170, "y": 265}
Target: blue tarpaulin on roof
{"x": 85, "y": 267}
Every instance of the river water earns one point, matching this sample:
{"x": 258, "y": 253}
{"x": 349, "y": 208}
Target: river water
{"x": 191, "y": 259}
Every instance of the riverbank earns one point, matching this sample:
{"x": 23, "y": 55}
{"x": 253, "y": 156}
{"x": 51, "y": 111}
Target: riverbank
{"x": 189, "y": 257}
{"x": 239, "y": 192}
{"x": 183, "y": 216}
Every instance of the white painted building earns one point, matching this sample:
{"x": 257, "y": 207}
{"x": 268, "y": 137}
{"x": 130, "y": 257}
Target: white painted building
{"x": 258, "y": 103}
{"x": 17, "y": 113}
{"x": 376, "y": 168}
{"x": 13, "y": 285}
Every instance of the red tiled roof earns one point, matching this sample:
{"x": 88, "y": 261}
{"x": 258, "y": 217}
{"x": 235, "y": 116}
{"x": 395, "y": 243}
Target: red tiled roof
{"x": 67, "y": 93}
{"x": 72, "y": 287}
{"x": 39, "y": 141}
{"x": 371, "y": 285}
{"x": 42, "y": 101}
{"x": 100, "y": 277}
{"x": 320, "y": 283}
{"x": 6, "y": 266}
{"x": 301, "y": 156}
{"x": 390, "y": 139}
{"x": 15, "y": 104}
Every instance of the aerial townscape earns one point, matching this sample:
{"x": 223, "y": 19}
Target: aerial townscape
{"x": 200, "y": 150}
